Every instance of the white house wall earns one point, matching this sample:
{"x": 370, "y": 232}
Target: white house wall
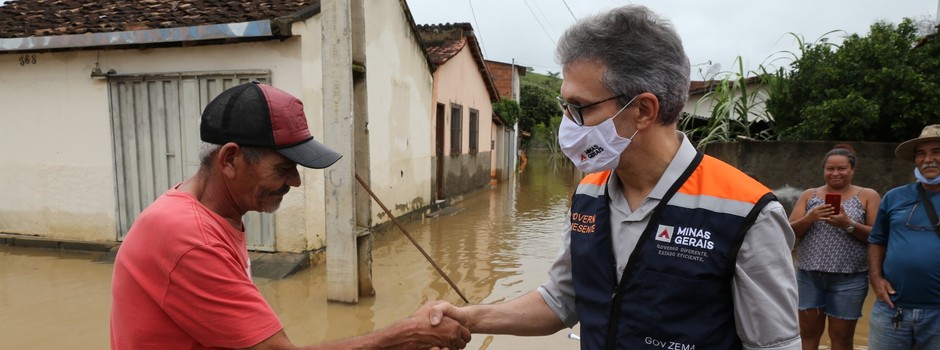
{"x": 303, "y": 215}
{"x": 57, "y": 168}
{"x": 57, "y": 177}
{"x": 399, "y": 88}
{"x": 698, "y": 105}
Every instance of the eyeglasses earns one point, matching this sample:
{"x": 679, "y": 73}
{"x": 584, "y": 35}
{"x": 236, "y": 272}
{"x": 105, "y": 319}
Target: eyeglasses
{"x": 915, "y": 227}
{"x": 573, "y": 111}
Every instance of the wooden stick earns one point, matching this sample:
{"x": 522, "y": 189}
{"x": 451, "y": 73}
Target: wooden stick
{"x": 402, "y": 228}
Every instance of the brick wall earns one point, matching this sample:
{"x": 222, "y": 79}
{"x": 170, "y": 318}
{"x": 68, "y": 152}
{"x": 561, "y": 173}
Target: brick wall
{"x": 502, "y": 78}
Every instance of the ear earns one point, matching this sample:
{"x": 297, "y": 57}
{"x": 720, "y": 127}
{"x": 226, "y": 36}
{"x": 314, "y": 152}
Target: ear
{"x": 227, "y": 158}
{"x": 648, "y": 110}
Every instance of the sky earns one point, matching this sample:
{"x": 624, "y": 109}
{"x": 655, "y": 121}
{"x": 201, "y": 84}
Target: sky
{"x": 714, "y": 33}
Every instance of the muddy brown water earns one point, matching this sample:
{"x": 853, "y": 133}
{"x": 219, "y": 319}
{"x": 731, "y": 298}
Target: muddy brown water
{"x": 497, "y": 247}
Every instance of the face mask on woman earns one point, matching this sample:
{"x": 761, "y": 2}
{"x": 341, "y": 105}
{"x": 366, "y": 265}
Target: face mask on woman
{"x": 593, "y": 148}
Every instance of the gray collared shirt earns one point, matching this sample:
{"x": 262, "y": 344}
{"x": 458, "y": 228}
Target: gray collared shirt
{"x": 764, "y": 286}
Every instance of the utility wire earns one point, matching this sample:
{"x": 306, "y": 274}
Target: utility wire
{"x": 569, "y": 10}
{"x": 548, "y": 22}
{"x": 549, "y": 36}
{"x": 479, "y": 30}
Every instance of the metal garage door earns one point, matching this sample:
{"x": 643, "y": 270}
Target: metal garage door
{"x": 155, "y": 123}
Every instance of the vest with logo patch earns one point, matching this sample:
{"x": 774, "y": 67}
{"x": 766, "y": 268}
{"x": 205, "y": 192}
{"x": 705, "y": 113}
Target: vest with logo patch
{"x": 675, "y": 292}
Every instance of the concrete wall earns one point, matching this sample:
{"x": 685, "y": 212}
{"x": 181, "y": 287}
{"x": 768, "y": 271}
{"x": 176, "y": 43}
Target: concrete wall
{"x": 57, "y": 175}
{"x": 56, "y": 164}
{"x": 799, "y": 164}
{"x": 300, "y": 222}
{"x": 400, "y": 118}
{"x": 59, "y": 182}
{"x": 466, "y": 173}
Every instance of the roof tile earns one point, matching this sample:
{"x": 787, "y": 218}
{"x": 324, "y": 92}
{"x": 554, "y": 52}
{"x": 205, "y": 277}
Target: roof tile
{"x": 25, "y": 18}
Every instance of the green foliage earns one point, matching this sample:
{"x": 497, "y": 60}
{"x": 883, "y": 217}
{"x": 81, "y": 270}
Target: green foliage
{"x": 552, "y": 81}
{"x": 874, "y": 88}
{"x": 509, "y": 110}
{"x": 547, "y": 135}
{"x": 737, "y": 98}
{"x": 538, "y": 105}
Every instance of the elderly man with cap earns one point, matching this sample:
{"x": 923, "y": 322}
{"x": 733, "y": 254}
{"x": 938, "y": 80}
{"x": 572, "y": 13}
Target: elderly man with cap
{"x": 904, "y": 254}
{"x": 182, "y": 278}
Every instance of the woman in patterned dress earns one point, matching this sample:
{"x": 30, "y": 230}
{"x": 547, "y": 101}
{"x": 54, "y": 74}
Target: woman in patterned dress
{"x": 832, "y": 261}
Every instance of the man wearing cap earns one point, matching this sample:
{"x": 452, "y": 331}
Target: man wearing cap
{"x": 182, "y": 278}
{"x": 904, "y": 254}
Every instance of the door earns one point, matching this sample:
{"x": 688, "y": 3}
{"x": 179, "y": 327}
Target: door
{"x": 155, "y": 124}
{"x": 439, "y": 151}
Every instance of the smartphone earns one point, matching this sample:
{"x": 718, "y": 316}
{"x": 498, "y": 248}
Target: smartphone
{"x": 835, "y": 200}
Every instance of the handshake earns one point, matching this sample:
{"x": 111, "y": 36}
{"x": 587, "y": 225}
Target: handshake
{"x": 440, "y": 325}
{"x": 436, "y": 325}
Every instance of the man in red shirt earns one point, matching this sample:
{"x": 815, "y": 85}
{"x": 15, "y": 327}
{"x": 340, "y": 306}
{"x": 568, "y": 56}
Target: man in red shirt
{"x": 182, "y": 278}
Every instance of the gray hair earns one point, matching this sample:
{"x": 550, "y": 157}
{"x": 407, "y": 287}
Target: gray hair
{"x": 208, "y": 150}
{"x": 641, "y": 51}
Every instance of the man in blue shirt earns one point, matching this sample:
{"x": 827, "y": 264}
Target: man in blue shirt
{"x": 904, "y": 254}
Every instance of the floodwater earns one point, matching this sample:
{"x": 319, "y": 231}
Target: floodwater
{"x": 497, "y": 247}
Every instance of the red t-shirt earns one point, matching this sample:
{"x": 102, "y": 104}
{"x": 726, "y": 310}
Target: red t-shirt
{"x": 182, "y": 281}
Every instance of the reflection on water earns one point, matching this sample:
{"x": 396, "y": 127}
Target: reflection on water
{"x": 498, "y": 247}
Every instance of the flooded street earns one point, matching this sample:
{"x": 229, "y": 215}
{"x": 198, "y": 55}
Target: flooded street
{"x": 497, "y": 247}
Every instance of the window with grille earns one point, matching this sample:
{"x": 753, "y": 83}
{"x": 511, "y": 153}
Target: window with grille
{"x": 456, "y": 122}
{"x": 474, "y": 131}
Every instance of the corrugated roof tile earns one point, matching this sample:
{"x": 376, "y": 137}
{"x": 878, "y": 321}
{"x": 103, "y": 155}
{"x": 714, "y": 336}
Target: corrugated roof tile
{"x": 25, "y": 18}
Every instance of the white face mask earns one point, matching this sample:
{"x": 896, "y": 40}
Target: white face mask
{"x": 920, "y": 177}
{"x": 593, "y": 148}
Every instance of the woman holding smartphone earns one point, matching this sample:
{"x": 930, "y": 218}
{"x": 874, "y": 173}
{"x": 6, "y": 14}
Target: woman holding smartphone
{"x": 832, "y": 224}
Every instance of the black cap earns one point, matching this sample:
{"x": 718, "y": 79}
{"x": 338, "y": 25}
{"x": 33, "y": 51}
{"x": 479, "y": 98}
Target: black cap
{"x": 260, "y": 115}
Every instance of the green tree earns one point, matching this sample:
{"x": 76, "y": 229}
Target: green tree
{"x": 509, "y": 110}
{"x": 547, "y": 134}
{"x": 538, "y": 105}
{"x": 874, "y": 88}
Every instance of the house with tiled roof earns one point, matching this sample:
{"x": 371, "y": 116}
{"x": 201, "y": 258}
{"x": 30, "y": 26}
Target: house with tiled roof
{"x": 101, "y": 104}
{"x": 473, "y": 145}
{"x": 507, "y": 78}
{"x": 700, "y": 103}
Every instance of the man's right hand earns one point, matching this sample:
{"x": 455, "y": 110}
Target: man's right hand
{"x": 435, "y": 329}
{"x": 883, "y": 289}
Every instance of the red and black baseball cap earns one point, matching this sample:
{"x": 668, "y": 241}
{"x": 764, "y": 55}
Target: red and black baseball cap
{"x": 260, "y": 115}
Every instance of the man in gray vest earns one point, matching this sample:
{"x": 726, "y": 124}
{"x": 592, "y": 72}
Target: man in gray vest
{"x": 664, "y": 247}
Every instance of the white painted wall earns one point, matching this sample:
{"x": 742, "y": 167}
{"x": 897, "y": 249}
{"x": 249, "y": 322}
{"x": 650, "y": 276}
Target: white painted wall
{"x": 57, "y": 170}
{"x": 57, "y": 167}
{"x": 399, "y": 88}
{"x": 703, "y": 107}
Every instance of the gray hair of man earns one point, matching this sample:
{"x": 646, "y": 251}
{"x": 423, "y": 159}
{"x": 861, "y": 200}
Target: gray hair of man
{"x": 208, "y": 150}
{"x": 641, "y": 51}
